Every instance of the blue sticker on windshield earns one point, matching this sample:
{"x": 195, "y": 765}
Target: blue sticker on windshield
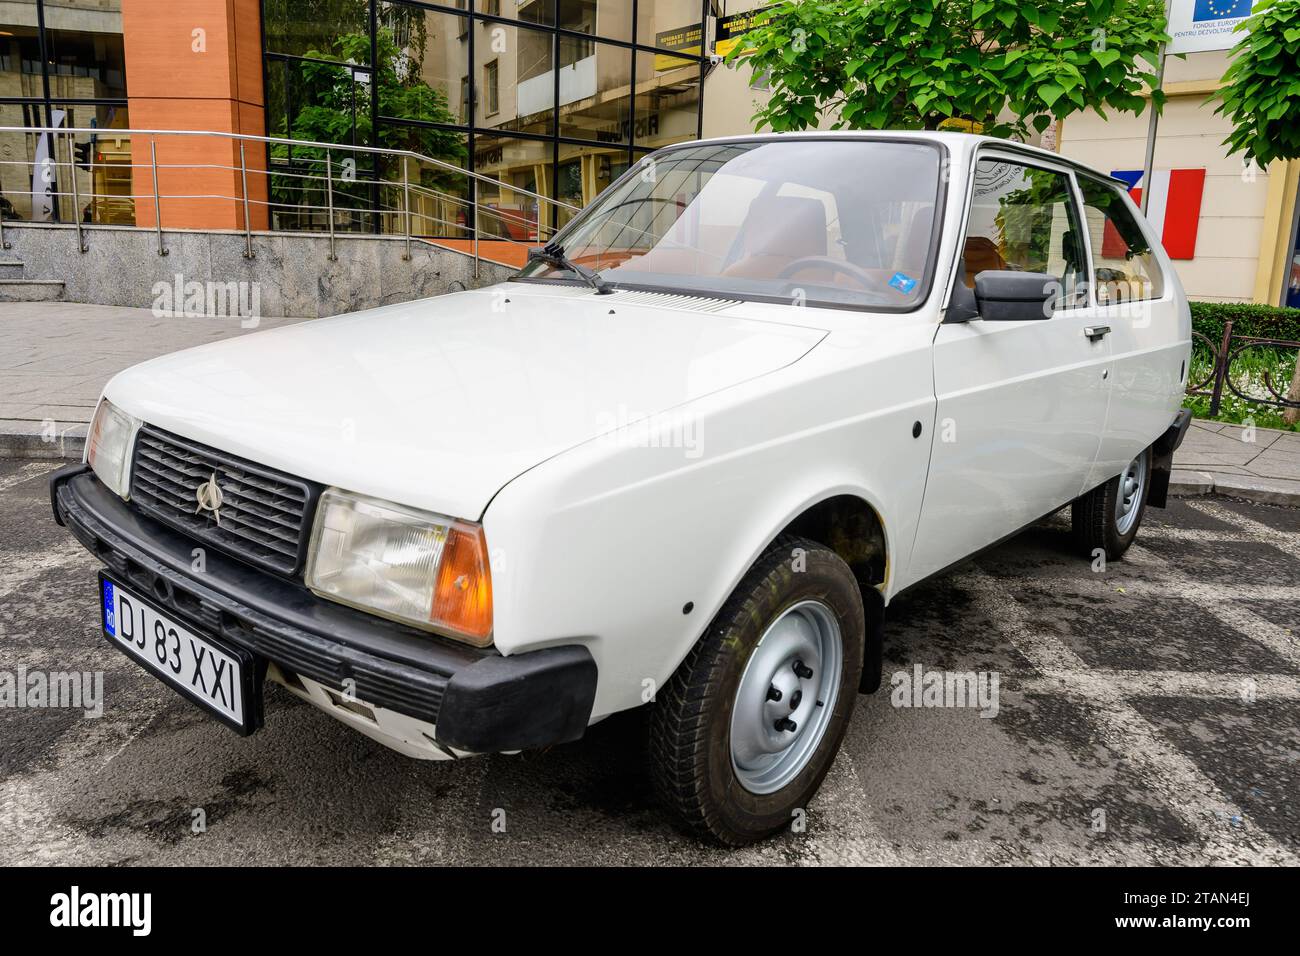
{"x": 903, "y": 282}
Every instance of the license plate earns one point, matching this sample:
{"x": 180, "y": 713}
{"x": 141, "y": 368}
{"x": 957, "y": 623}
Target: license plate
{"x": 217, "y": 677}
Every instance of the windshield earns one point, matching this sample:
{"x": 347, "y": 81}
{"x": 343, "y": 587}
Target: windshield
{"x": 820, "y": 222}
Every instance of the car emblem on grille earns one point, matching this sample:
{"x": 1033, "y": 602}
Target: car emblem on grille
{"x": 209, "y": 497}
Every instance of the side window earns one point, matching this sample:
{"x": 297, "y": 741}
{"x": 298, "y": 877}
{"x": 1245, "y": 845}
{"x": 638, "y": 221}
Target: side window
{"x": 1024, "y": 219}
{"x": 1126, "y": 268}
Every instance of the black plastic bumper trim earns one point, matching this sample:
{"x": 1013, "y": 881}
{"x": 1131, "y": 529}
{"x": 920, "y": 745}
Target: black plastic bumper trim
{"x": 530, "y": 700}
{"x": 1168, "y": 443}
{"x": 489, "y": 702}
{"x": 1162, "y": 458}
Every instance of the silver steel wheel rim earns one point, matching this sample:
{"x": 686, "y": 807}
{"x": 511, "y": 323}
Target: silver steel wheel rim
{"x": 792, "y": 676}
{"x": 1128, "y": 500}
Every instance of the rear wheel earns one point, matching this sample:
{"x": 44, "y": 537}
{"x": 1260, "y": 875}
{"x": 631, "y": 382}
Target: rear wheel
{"x": 1107, "y": 518}
{"x": 744, "y": 732}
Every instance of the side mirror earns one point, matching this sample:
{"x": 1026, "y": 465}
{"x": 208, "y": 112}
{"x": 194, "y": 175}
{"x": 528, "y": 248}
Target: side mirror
{"x": 535, "y": 253}
{"x": 1004, "y": 296}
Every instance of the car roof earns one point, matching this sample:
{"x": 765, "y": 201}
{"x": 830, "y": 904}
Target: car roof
{"x": 958, "y": 142}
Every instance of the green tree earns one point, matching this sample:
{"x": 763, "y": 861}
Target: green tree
{"x": 330, "y": 111}
{"x": 1261, "y": 91}
{"x": 1261, "y": 98}
{"x": 296, "y": 26}
{"x": 917, "y": 64}
{"x": 332, "y": 106}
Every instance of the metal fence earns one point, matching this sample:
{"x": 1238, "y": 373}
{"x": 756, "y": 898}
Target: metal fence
{"x": 300, "y": 186}
{"x": 1221, "y": 358}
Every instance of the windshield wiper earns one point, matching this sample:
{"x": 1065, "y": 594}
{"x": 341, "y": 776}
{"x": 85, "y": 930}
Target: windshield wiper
{"x": 553, "y": 254}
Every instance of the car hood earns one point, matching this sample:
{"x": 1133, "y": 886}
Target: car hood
{"x": 438, "y": 403}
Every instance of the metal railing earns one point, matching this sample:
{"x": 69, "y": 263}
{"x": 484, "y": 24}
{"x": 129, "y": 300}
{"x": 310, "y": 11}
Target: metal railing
{"x": 301, "y": 169}
{"x": 1220, "y": 375}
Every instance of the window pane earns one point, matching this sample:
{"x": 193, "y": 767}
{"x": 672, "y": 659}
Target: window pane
{"x": 515, "y": 70}
{"x": 1024, "y": 219}
{"x": 319, "y": 102}
{"x": 20, "y": 52}
{"x": 443, "y": 145}
{"x": 439, "y": 196}
{"x": 84, "y": 45}
{"x": 667, "y": 100}
{"x": 424, "y": 71}
{"x": 102, "y": 161}
{"x": 17, "y": 200}
{"x": 332, "y": 29}
{"x": 595, "y": 91}
{"x": 670, "y": 25}
{"x": 525, "y": 11}
{"x": 324, "y": 103}
{"x": 605, "y": 18}
{"x": 1126, "y": 267}
{"x": 520, "y": 163}
{"x": 584, "y": 173}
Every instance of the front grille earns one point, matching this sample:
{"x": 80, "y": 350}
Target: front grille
{"x": 263, "y": 516}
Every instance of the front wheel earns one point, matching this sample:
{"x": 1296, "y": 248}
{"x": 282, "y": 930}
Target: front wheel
{"x": 1107, "y": 518}
{"x": 744, "y": 732}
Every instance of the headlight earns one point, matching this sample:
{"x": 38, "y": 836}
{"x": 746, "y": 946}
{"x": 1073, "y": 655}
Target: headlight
{"x": 108, "y": 446}
{"x": 408, "y": 565}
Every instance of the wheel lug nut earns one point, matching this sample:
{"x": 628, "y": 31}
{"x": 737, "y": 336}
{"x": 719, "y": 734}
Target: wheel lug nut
{"x": 802, "y": 670}
{"x": 773, "y": 693}
{"x": 796, "y": 699}
{"x": 785, "y": 723}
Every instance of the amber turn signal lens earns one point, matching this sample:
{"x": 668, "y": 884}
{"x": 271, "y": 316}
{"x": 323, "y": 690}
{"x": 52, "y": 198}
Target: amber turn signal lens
{"x": 462, "y": 599}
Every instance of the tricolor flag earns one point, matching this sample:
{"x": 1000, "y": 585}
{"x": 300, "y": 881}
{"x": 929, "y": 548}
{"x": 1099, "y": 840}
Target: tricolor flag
{"x": 1174, "y": 210}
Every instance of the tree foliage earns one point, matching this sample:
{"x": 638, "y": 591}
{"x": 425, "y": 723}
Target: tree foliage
{"x": 917, "y": 64}
{"x": 332, "y": 106}
{"x": 335, "y": 108}
{"x": 1261, "y": 95}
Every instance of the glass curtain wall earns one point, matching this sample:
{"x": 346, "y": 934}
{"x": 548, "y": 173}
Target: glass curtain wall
{"x": 62, "y": 65}
{"x": 552, "y": 97}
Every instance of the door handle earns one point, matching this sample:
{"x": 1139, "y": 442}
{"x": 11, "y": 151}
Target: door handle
{"x": 1096, "y": 332}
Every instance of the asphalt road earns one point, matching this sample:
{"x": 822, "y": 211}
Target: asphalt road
{"x": 1147, "y": 713}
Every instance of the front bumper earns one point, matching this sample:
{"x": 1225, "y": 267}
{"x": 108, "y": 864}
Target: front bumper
{"x": 479, "y": 700}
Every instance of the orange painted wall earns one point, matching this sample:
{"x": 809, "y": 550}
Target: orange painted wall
{"x": 212, "y": 81}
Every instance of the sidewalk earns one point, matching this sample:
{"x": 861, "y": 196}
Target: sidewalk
{"x": 56, "y": 356}
{"x": 1261, "y": 464}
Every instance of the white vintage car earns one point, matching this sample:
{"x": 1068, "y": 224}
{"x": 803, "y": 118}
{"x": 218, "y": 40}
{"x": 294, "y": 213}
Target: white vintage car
{"x": 683, "y": 460}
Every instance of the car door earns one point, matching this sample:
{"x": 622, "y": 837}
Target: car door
{"x": 1020, "y": 404}
{"x": 1136, "y": 299}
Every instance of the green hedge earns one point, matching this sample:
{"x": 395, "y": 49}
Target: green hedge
{"x": 1260, "y": 321}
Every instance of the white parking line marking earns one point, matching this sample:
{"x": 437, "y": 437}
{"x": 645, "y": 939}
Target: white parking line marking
{"x": 1225, "y": 604}
{"x": 17, "y": 574}
{"x": 1202, "y": 685}
{"x": 28, "y": 472}
{"x": 1255, "y": 530}
{"x": 1199, "y": 535}
{"x": 1161, "y": 583}
{"x": 1188, "y": 792}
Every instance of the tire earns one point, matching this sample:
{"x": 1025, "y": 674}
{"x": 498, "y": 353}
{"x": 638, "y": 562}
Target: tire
{"x": 1104, "y": 520}
{"x": 797, "y": 596}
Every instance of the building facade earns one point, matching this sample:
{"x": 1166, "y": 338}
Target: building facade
{"x": 549, "y": 97}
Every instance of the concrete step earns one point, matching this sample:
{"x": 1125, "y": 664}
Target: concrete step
{"x": 11, "y": 269}
{"x": 31, "y": 290}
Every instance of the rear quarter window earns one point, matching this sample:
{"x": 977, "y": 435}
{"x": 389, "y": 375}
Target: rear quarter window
{"x": 1124, "y": 265}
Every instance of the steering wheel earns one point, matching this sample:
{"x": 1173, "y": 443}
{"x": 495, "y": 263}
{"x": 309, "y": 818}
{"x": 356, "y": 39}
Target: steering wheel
{"x": 835, "y": 265}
